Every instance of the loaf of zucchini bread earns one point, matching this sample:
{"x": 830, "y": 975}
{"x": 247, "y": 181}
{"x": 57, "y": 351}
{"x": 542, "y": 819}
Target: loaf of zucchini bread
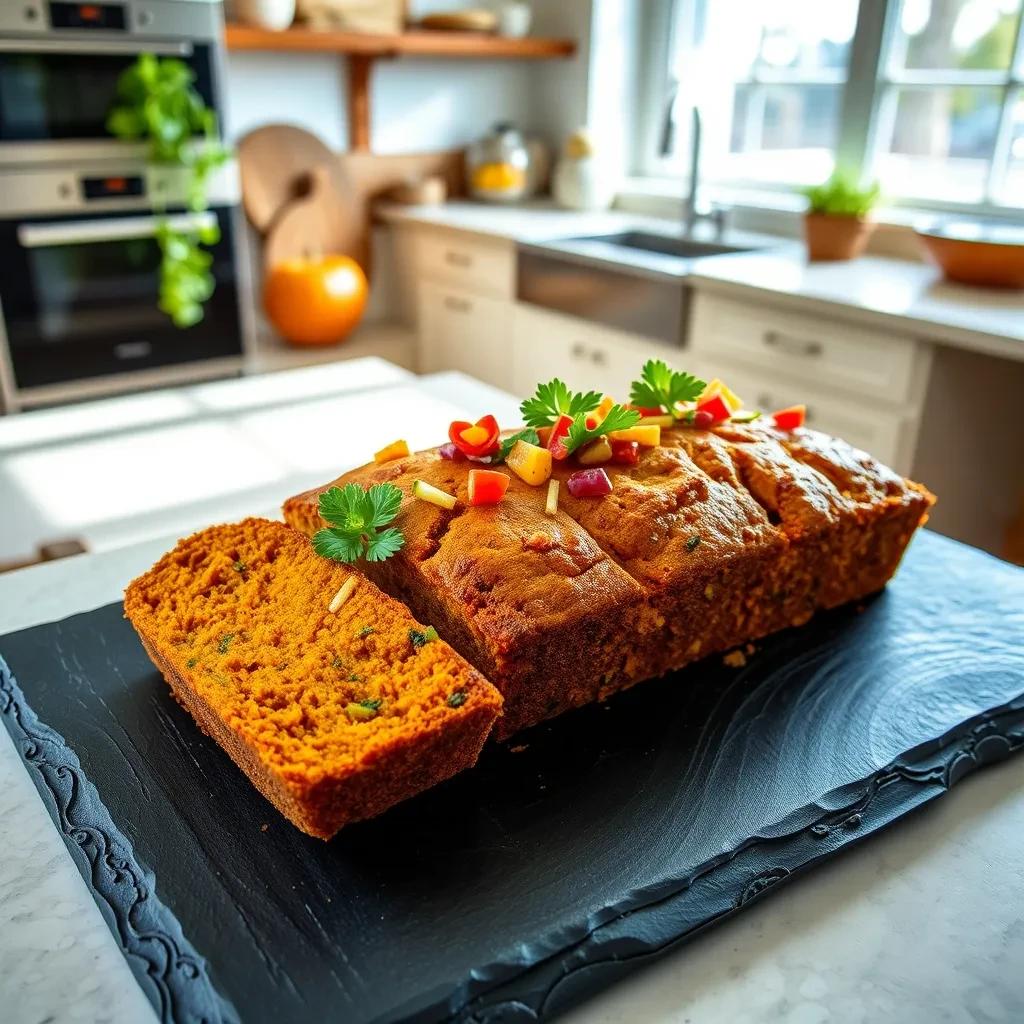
{"x": 327, "y": 693}
{"x": 714, "y": 538}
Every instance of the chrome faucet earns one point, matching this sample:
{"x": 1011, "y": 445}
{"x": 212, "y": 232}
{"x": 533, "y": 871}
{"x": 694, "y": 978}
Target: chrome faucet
{"x": 691, "y": 215}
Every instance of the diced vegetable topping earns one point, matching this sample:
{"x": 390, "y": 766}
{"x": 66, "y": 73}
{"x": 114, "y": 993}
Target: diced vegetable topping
{"x": 716, "y": 406}
{"x": 604, "y": 408}
{"x": 529, "y": 435}
{"x": 718, "y": 387}
{"x": 457, "y": 699}
{"x": 551, "y": 505}
{"x": 625, "y": 453}
{"x": 646, "y": 437}
{"x": 395, "y": 450}
{"x": 791, "y": 418}
{"x": 660, "y": 387}
{"x": 556, "y": 437}
{"x": 530, "y": 463}
{"x": 581, "y": 433}
{"x": 693, "y": 543}
{"x": 450, "y": 452}
{"x": 357, "y": 519}
{"x": 595, "y": 453}
{"x": 362, "y": 712}
{"x": 703, "y": 419}
{"x": 428, "y": 492}
{"x": 589, "y": 483}
{"x": 345, "y": 591}
{"x": 486, "y": 486}
{"x": 746, "y": 416}
{"x": 661, "y": 420}
{"x": 476, "y": 440}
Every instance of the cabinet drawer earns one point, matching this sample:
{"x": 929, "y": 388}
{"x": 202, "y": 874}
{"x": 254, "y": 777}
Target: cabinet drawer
{"x": 587, "y": 356}
{"x": 462, "y": 331}
{"x": 880, "y": 431}
{"x": 481, "y": 265}
{"x": 813, "y": 348}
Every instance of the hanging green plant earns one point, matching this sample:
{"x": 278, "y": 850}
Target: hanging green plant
{"x": 157, "y": 102}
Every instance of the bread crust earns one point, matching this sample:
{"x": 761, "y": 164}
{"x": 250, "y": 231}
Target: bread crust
{"x": 715, "y": 539}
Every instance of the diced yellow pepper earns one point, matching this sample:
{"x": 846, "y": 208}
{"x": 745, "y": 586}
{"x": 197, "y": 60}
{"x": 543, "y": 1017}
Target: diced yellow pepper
{"x": 646, "y": 437}
{"x": 531, "y": 464}
{"x": 551, "y": 505}
{"x": 434, "y": 495}
{"x": 657, "y": 421}
{"x": 718, "y": 387}
{"x": 474, "y": 435}
{"x": 595, "y": 453}
{"x": 395, "y": 450}
{"x": 604, "y": 408}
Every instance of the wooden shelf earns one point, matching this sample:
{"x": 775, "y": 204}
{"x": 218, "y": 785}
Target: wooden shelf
{"x": 362, "y": 49}
{"x": 468, "y": 45}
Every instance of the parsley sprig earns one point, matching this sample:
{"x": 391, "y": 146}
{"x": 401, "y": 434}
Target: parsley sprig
{"x": 580, "y": 434}
{"x": 554, "y": 399}
{"x": 660, "y": 385}
{"x": 357, "y": 518}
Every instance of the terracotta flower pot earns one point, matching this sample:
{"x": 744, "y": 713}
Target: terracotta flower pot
{"x": 832, "y": 236}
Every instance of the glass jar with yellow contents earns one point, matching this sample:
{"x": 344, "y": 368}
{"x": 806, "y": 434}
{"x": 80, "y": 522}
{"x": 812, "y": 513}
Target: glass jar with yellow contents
{"x": 498, "y": 166}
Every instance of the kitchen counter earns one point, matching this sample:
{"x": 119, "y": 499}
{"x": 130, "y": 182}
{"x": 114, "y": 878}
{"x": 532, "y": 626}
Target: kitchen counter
{"x": 921, "y": 923}
{"x": 898, "y": 295}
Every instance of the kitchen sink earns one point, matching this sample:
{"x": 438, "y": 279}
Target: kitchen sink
{"x": 666, "y": 245}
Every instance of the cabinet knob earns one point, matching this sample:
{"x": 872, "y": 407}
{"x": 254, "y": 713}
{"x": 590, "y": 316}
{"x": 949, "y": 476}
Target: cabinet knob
{"x": 578, "y": 350}
{"x": 599, "y": 358}
{"x": 458, "y": 259}
{"x": 792, "y": 346}
{"x": 457, "y": 305}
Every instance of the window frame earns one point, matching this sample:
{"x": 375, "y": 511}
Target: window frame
{"x": 867, "y": 105}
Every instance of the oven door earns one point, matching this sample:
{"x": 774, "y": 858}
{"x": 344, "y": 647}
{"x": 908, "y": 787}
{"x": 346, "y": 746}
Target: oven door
{"x": 57, "y": 91}
{"x": 79, "y": 298}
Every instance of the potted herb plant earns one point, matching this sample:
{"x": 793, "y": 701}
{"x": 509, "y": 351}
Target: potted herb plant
{"x": 837, "y": 224}
{"x": 157, "y": 102}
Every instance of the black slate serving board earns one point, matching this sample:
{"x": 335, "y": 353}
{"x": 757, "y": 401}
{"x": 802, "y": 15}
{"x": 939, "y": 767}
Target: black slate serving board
{"x": 565, "y": 858}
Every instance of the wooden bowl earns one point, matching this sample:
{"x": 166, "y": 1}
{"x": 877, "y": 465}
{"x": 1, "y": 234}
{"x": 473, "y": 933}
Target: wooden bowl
{"x": 973, "y": 253}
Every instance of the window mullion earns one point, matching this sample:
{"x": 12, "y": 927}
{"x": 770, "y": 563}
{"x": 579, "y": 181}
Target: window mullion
{"x": 865, "y": 80}
{"x": 1000, "y": 164}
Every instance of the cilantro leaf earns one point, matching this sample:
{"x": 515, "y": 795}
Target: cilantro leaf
{"x": 380, "y": 546}
{"x": 554, "y": 399}
{"x": 660, "y": 385}
{"x": 529, "y": 435}
{"x": 356, "y": 520}
{"x": 580, "y": 434}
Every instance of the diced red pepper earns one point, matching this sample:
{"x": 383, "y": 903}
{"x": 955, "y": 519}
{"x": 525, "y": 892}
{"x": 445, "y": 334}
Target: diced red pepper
{"x": 476, "y": 439}
{"x": 591, "y": 422}
{"x": 559, "y": 431}
{"x": 487, "y": 486}
{"x": 589, "y": 483}
{"x": 703, "y": 419}
{"x": 716, "y": 406}
{"x": 791, "y": 418}
{"x": 625, "y": 453}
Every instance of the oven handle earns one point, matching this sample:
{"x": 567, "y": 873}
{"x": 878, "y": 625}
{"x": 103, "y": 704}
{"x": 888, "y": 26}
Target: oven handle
{"x": 35, "y": 236}
{"x": 102, "y": 47}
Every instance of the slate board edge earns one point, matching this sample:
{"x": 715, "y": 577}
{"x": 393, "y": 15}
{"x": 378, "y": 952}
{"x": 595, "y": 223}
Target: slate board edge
{"x": 175, "y": 978}
{"x": 171, "y": 972}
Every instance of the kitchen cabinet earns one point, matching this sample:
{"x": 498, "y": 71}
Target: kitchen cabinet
{"x": 865, "y": 386}
{"x": 459, "y": 330}
{"x": 587, "y": 356}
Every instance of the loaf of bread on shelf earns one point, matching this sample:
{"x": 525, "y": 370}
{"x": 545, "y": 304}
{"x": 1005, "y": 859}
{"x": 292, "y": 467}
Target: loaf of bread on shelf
{"x": 327, "y": 693}
{"x": 715, "y": 538}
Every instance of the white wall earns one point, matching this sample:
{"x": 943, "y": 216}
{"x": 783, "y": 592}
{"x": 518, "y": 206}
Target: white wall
{"x": 416, "y": 104}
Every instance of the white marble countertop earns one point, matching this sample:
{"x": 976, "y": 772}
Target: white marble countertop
{"x": 903, "y": 296}
{"x": 922, "y": 923}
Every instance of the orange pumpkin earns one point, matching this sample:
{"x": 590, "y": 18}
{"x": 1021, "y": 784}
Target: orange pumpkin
{"x": 315, "y": 301}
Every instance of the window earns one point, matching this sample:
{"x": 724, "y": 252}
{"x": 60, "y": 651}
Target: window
{"x": 926, "y": 95}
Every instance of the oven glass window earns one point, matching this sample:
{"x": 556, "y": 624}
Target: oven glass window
{"x": 54, "y": 96}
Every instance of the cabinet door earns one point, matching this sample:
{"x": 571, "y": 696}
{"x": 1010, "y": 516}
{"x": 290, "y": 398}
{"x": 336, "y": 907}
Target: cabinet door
{"x": 880, "y": 431}
{"x": 461, "y": 331}
{"x": 585, "y": 355}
